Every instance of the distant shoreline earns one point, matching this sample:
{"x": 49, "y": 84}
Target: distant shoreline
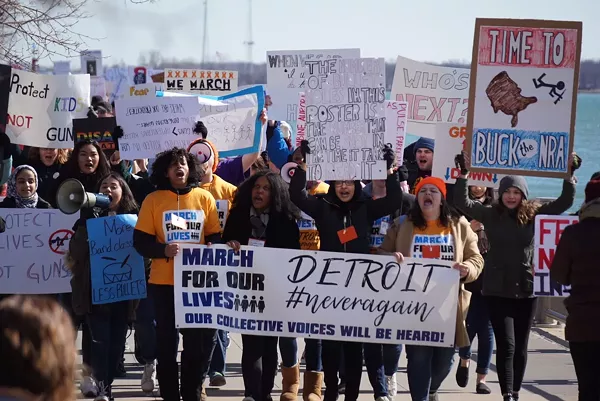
{"x": 589, "y": 90}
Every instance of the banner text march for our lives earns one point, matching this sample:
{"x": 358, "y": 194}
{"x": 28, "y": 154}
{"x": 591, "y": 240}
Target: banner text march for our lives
{"x": 41, "y": 108}
{"x": 548, "y": 230}
{"x": 32, "y": 251}
{"x": 324, "y": 295}
{"x": 117, "y": 270}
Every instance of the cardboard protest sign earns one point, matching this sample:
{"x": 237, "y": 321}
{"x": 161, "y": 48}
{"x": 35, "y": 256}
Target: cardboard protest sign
{"x": 116, "y": 82}
{"x": 450, "y": 140}
{"x": 294, "y": 293}
{"x": 345, "y": 119}
{"x": 33, "y": 249}
{"x": 524, "y": 80}
{"x": 201, "y": 82}
{"x": 41, "y": 108}
{"x": 233, "y": 121}
{"x": 96, "y": 129}
{"x": 144, "y": 90}
{"x": 286, "y": 77}
{"x": 154, "y": 124}
{"x": 91, "y": 63}
{"x": 435, "y": 95}
{"x": 117, "y": 270}
{"x": 62, "y": 67}
{"x": 396, "y": 118}
{"x": 548, "y": 230}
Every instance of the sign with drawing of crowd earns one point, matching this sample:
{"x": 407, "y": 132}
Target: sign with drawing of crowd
{"x": 345, "y": 119}
{"x": 324, "y": 295}
{"x": 452, "y": 140}
{"x": 524, "y": 80}
{"x": 33, "y": 248}
{"x": 41, "y": 108}
{"x": 286, "y": 77}
{"x": 435, "y": 95}
{"x": 548, "y": 230}
{"x": 201, "y": 82}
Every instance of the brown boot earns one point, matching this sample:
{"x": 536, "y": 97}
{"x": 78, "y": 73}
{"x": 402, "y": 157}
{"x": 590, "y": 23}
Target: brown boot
{"x": 290, "y": 383}
{"x": 313, "y": 381}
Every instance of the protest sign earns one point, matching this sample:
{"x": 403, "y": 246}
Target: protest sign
{"x": 5, "y": 75}
{"x": 201, "y": 82}
{"x": 435, "y": 95}
{"x": 154, "y": 124}
{"x": 144, "y": 90}
{"x": 524, "y": 79}
{"x": 91, "y": 63}
{"x": 286, "y": 77}
{"x": 309, "y": 234}
{"x": 233, "y": 120}
{"x": 450, "y": 139}
{"x": 116, "y": 82}
{"x": 345, "y": 119}
{"x": 301, "y": 119}
{"x": 97, "y": 86}
{"x": 33, "y": 249}
{"x": 41, "y": 108}
{"x": 117, "y": 270}
{"x": 548, "y": 230}
{"x": 395, "y": 127}
{"x": 223, "y": 211}
{"x": 96, "y": 129}
{"x": 294, "y": 293}
{"x": 62, "y": 67}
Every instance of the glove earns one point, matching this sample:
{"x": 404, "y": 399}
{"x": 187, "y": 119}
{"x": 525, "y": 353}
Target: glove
{"x": 460, "y": 163}
{"x": 117, "y": 134}
{"x": 304, "y": 148}
{"x": 92, "y": 113}
{"x": 5, "y": 146}
{"x": 402, "y": 173}
{"x": 576, "y": 163}
{"x": 201, "y": 129}
{"x": 389, "y": 156}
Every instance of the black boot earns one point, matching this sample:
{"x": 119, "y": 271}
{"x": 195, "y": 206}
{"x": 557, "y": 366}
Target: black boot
{"x": 508, "y": 397}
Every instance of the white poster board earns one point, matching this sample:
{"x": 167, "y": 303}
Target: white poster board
{"x": 97, "y": 86}
{"x": 548, "y": 230}
{"x": 435, "y": 95}
{"x": 201, "y": 82}
{"x": 33, "y": 249}
{"x": 450, "y": 140}
{"x": 322, "y": 295}
{"x": 91, "y": 63}
{"x": 345, "y": 119}
{"x": 144, "y": 90}
{"x": 395, "y": 127}
{"x": 301, "y": 119}
{"x": 41, "y": 108}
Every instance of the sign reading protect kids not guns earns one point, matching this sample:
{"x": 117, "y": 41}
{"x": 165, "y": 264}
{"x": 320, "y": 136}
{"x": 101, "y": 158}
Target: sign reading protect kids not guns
{"x": 323, "y": 295}
{"x": 41, "y": 108}
{"x": 33, "y": 249}
{"x": 524, "y": 80}
{"x": 451, "y": 138}
{"x": 548, "y": 230}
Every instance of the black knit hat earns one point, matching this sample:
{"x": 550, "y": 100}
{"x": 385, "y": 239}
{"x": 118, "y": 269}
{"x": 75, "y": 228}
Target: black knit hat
{"x": 515, "y": 181}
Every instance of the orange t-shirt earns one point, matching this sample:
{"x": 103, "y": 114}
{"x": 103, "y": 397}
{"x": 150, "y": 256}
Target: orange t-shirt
{"x": 433, "y": 242}
{"x": 223, "y": 192}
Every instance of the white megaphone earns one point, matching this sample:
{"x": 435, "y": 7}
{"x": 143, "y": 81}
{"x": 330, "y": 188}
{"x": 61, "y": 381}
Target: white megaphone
{"x": 288, "y": 170}
{"x": 71, "y": 197}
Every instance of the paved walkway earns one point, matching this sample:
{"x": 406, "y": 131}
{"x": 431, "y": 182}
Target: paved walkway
{"x": 550, "y": 376}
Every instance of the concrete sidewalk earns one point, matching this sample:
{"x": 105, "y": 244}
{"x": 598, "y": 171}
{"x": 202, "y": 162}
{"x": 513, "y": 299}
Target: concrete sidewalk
{"x": 550, "y": 376}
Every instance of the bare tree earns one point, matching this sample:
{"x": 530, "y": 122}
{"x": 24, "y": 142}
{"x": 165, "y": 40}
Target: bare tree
{"x": 40, "y": 28}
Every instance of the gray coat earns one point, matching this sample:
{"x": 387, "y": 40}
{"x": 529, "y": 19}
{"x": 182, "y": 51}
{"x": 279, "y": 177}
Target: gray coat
{"x": 508, "y": 271}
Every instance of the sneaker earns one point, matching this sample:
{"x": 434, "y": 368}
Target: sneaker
{"x": 104, "y": 393}
{"x": 433, "y": 397}
{"x": 217, "y": 380}
{"x": 392, "y": 386}
{"x": 88, "y": 387}
{"x": 203, "y": 396}
{"x": 149, "y": 377}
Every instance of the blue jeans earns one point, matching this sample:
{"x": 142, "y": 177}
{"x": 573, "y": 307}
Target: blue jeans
{"x": 312, "y": 355}
{"x": 427, "y": 368}
{"x": 217, "y": 362}
{"x": 288, "y": 346}
{"x": 375, "y": 369}
{"x": 478, "y": 324}
{"x": 145, "y": 331}
{"x": 332, "y": 352}
{"x": 391, "y": 358}
{"x": 108, "y": 329}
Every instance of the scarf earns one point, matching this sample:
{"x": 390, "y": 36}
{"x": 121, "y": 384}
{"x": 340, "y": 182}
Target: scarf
{"x": 21, "y": 202}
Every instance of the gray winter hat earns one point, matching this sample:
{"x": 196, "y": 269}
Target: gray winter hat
{"x": 514, "y": 181}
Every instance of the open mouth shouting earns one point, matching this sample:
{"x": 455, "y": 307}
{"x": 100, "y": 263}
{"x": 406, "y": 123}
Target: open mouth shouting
{"x": 89, "y": 166}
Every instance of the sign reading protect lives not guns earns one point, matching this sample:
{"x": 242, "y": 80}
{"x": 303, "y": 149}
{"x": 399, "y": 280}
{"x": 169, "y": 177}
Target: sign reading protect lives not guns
{"x": 524, "y": 81}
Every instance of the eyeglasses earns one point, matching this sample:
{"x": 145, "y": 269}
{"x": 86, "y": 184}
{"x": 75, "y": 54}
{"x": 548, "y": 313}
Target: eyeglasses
{"x": 347, "y": 183}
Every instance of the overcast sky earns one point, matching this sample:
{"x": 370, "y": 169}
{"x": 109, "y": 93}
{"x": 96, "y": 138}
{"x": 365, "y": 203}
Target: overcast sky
{"x": 425, "y": 30}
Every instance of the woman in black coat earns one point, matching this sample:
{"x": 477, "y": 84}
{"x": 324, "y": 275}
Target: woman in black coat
{"x": 22, "y": 190}
{"x": 263, "y": 215}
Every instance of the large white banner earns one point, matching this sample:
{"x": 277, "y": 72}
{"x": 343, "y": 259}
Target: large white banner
{"x": 41, "y": 108}
{"x": 286, "y": 77}
{"x": 325, "y": 295}
{"x": 548, "y": 230}
{"x": 33, "y": 249}
{"x": 435, "y": 95}
{"x": 450, "y": 140}
{"x": 154, "y": 124}
{"x": 345, "y": 119}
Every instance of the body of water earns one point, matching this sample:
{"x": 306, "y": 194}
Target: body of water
{"x": 587, "y": 146}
